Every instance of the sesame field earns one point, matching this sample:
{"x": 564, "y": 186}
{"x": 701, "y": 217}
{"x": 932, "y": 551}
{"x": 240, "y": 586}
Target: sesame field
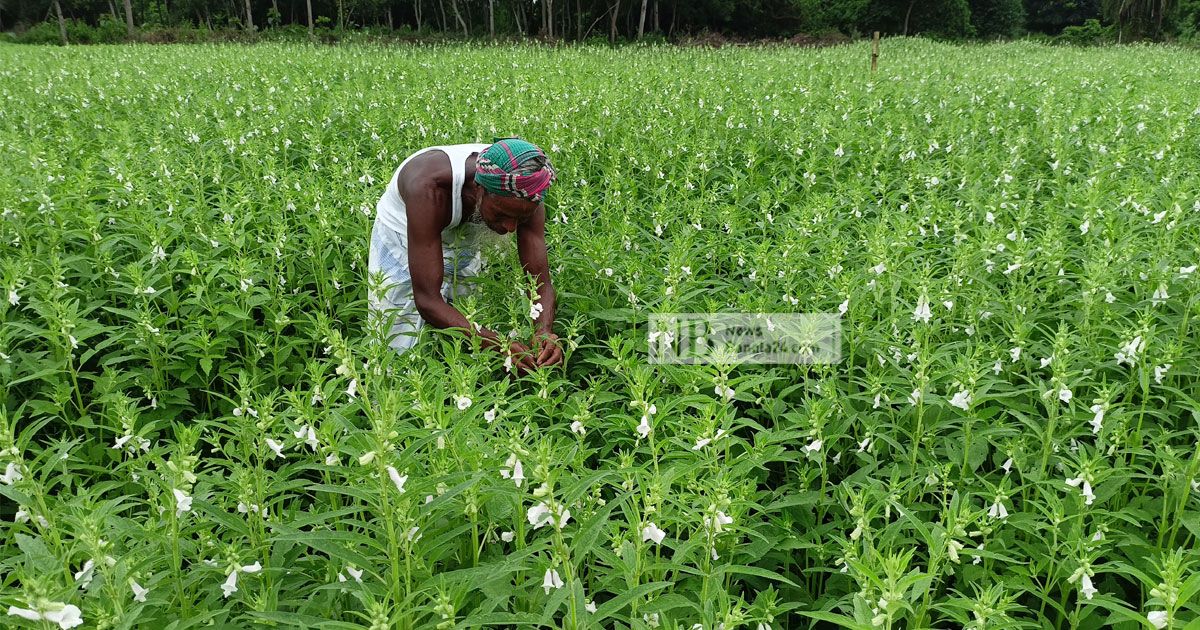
{"x": 198, "y": 429}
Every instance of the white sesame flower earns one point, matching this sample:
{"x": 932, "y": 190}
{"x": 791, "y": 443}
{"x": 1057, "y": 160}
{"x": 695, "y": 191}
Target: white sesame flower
{"x": 1085, "y": 586}
{"x": 643, "y": 428}
{"x": 251, "y": 568}
{"x": 12, "y": 474}
{"x": 275, "y": 446}
{"x": 1007, "y": 465}
{"x": 1159, "y": 372}
{"x": 65, "y": 615}
{"x": 914, "y": 397}
{"x": 864, "y": 444}
{"x": 513, "y": 470}
{"x": 397, "y": 478}
{"x": 724, "y": 391}
{"x": 813, "y": 446}
{"x": 490, "y": 414}
{"x": 879, "y": 269}
{"x": 1083, "y": 229}
{"x": 366, "y": 458}
{"x": 355, "y": 573}
{"x": 539, "y": 515}
{"x": 577, "y": 427}
{"x": 716, "y": 525}
{"x": 998, "y": 511}
{"x": 1187, "y": 271}
{"x": 230, "y": 585}
{"x": 1130, "y": 352}
{"x": 1097, "y": 421}
{"x": 1160, "y": 294}
{"x": 13, "y": 298}
{"x": 1015, "y": 353}
{"x": 922, "y": 312}
{"x": 535, "y": 310}
{"x": 183, "y": 502}
{"x": 309, "y": 435}
{"x": 552, "y": 580}
{"x": 1047, "y": 361}
{"x": 1109, "y": 298}
{"x": 1157, "y": 618}
{"x": 84, "y": 576}
{"x": 844, "y": 306}
{"x": 962, "y": 400}
{"x": 1085, "y": 488}
{"x": 462, "y": 402}
{"x": 652, "y": 532}
{"x": 139, "y": 593}
{"x": 701, "y": 443}
{"x": 1065, "y": 395}
{"x": 590, "y": 606}
{"x": 506, "y": 536}
{"x": 352, "y": 389}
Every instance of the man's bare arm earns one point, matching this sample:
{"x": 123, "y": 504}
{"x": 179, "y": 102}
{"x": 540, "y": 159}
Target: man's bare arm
{"x": 425, "y": 266}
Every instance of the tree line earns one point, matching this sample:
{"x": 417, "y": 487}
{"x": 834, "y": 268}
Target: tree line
{"x": 578, "y": 20}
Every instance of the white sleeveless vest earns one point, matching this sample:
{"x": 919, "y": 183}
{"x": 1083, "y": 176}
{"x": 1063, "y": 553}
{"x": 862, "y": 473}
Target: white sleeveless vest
{"x": 391, "y": 212}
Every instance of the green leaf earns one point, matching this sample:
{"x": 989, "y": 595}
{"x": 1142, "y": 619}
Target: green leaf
{"x": 618, "y": 603}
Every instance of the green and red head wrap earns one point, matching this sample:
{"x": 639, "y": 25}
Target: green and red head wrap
{"x": 513, "y": 167}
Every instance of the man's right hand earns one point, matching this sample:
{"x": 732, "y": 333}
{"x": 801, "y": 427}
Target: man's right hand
{"x": 522, "y": 358}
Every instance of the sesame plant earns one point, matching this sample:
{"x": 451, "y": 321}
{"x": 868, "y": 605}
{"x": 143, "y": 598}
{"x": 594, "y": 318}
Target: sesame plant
{"x": 198, "y": 427}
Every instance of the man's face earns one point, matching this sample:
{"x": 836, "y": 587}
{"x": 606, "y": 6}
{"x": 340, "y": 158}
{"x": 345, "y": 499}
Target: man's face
{"x": 503, "y": 214}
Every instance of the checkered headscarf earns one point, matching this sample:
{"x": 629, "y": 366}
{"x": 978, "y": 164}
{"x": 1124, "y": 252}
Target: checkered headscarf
{"x": 513, "y": 167}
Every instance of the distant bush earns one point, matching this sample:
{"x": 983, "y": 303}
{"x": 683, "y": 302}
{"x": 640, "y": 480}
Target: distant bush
{"x": 1090, "y": 34}
{"x": 109, "y": 31}
{"x": 40, "y": 33}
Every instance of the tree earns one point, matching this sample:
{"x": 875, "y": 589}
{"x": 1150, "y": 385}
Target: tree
{"x": 612, "y": 24}
{"x": 1140, "y": 16}
{"x": 997, "y": 18}
{"x": 458, "y": 16}
{"x": 944, "y": 18}
{"x": 62, "y": 23}
{"x": 1051, "y": 16}
{"x": 129, "y": 18}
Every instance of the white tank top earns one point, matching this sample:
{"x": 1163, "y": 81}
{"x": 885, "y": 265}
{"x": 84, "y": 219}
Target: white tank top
{"x": 391, "y": 210}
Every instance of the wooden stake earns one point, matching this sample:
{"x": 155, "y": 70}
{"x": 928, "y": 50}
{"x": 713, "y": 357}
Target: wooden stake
{"x": 874, "y": 51}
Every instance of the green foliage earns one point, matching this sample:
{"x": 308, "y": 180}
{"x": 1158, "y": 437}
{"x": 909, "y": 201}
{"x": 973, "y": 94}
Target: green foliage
{"x": 1052, "y": 16}
{"x": 997, "y": 18}
{"x": 1090, "y": 34}
{"x": 937, "y": 18}
{"x": 107, "y": 32}
{"x": 818, "y": 16}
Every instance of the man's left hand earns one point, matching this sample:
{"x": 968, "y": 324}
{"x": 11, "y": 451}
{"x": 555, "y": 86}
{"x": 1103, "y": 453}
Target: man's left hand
{"x": 549, "y": 352}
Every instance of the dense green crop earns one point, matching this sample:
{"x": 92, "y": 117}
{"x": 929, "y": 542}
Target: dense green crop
{"x": 195, "y": 424}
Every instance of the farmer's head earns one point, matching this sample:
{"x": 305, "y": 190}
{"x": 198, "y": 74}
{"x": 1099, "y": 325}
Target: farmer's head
{"x": 514, "y": 175}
